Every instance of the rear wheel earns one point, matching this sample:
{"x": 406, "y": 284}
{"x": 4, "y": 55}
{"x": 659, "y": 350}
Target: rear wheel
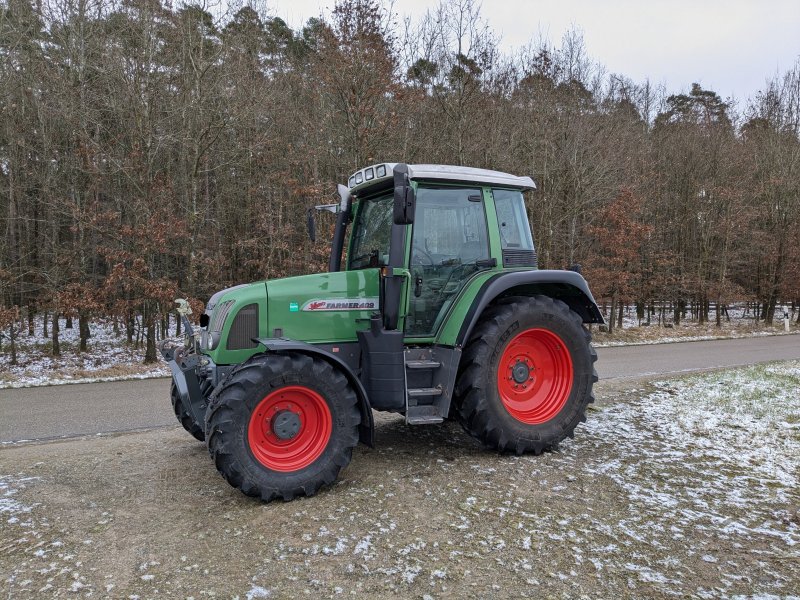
{"x": 526, "y": 375}
{"x": 282, "y": 426}
{"x": 183, "y": 416}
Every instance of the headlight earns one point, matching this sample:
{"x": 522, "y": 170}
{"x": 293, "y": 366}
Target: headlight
{"x": 212, "y": 340}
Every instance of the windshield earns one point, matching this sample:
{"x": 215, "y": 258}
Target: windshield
{"x": 372, "y": 232}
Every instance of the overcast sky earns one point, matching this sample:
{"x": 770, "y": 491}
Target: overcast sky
{"x": 729, "y": 46}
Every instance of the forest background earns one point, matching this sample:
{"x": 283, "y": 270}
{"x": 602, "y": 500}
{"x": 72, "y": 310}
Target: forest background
{"x": 151, "y": 151}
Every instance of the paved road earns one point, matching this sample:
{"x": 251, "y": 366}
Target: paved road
{"x": 87, "y": 409}
{"x": 664, "y": 359}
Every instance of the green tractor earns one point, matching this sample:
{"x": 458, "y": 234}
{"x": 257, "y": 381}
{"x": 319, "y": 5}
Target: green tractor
{"x": 438, "y": 312}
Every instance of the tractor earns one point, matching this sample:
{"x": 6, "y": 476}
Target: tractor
{"x": 435, "y": 311}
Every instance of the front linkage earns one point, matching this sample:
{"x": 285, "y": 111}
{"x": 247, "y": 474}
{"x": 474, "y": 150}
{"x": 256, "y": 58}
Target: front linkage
{"x": 193, "y": 376}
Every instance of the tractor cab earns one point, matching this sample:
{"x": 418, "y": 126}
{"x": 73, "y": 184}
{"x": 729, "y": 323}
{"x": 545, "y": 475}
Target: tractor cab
{"x": 435, "y": 228}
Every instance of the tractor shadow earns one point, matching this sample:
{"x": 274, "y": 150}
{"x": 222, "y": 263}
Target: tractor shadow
{"x": 426, "y": 442}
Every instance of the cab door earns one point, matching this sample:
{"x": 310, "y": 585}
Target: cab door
{"x": 449, "y": 245}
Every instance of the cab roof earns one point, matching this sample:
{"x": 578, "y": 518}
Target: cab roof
{"x": 382, "y": 173}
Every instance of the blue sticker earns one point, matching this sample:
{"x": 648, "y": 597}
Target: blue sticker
{"x": 293, "y": 307}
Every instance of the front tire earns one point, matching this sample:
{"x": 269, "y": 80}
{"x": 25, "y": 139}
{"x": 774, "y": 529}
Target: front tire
{"x": 526, "y": 375}
{"x": 282, "y": 426}
{"x": 183, "y": 416}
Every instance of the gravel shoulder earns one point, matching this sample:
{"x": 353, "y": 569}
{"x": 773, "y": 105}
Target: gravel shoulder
{"x": 647, "y": 501}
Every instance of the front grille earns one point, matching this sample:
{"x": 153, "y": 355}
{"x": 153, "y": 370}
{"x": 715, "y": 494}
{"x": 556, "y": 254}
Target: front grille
{"x": 519, "y": 258}
{"x": 244, "y": 328}
{"x": 219, "y": 315}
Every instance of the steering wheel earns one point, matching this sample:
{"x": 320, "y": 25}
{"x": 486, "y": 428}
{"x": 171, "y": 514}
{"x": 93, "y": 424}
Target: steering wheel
{"x": 419, "y": 253}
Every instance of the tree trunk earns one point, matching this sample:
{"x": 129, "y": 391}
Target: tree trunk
{"x": 150, "y": 347}
{"x": 31, "y": 318}
{"x": 178, "y": 326}
{"x": 83, "y": 330}
{"x": 45, "y": 333}
{"x": 613, "y": 316}
{"x": 129, "y": 328}
{"x": 770, "y": 305}
{"x": 13, "y": 336}
{"x": 620, "y": 309}
{"x": 68, "y": 324}
{"x": 719, "y": 313}
{"x": 56, "y": 344}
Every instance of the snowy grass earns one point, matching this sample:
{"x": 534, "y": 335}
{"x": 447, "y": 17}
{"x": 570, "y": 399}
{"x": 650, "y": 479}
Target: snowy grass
{"x": 109, "y": 358}
{"x": 708, "y": 461}
{"x": 741, "y": 325}
{"x": 13, "y": 511}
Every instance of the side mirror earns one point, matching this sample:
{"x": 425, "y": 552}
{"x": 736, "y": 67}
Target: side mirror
{"x": 405, "y": 199}
{"x": 311, "y": 225}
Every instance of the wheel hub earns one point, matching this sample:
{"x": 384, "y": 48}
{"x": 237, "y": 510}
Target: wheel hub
{"x": 520, "y": 372}
{"x": 286, "y": 424}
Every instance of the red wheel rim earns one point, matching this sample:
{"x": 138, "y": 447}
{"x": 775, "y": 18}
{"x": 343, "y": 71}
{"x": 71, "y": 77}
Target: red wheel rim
{"x": 307, "y": 411}
{"x": 534, "y": 376}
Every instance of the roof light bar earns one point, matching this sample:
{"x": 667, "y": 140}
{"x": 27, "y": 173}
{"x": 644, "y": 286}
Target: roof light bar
{"x": 372, "y": 173}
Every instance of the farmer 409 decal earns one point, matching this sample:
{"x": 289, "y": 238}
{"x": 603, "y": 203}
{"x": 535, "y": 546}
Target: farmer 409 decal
{"x": 330, "y": 304}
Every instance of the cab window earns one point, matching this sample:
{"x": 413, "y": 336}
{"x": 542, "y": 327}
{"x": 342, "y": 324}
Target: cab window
{"x": 515, "y": 232}
{"x": 372, "y": 232}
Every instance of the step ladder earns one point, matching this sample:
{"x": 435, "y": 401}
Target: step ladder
{"x": 422, "y": 396}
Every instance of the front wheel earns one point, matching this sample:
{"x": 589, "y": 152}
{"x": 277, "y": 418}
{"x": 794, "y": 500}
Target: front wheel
{"x": 526, "y": 375}
{"x": 183, "y": 416}
{"x": 282, "y": 426}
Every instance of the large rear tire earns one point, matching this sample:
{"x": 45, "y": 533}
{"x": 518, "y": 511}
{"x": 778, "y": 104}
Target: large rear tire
{"x": 183, "y": 416}
{"x": 282, "y": 425}
{"x": 526, "y": 375}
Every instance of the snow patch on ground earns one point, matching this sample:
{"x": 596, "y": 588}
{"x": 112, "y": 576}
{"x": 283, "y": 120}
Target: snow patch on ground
{"x": 258, "y": 592}
{"x": 32, "y": 548}
{"x": 12, "y": 511}
{"x": 731, "y": 335}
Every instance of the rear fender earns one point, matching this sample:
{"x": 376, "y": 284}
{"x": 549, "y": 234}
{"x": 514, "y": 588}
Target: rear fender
{"x": 567, "y": 286}
{"x": 366, "y": 430}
